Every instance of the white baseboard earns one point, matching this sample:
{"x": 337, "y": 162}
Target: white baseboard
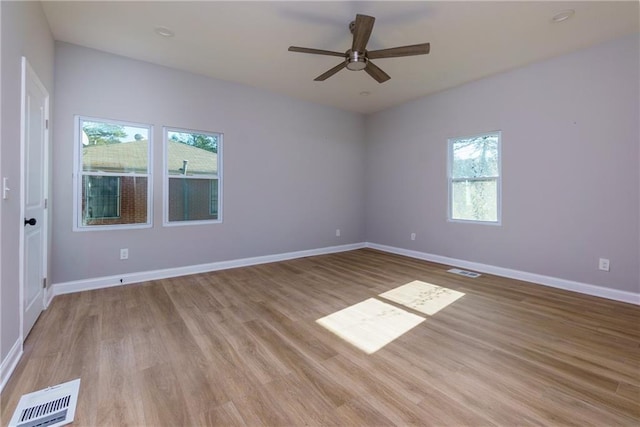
{"x": 554, "y": 282}
{"x": 105, "y": 282}
{"x": 9, "y": 363}
{"x": 48, "y": 296}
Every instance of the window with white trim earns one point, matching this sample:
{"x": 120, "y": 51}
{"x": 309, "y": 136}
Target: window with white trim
{"x": 112, "y": 174}
{"x": 193, "y": 179}
{"x": 475, "y": 178}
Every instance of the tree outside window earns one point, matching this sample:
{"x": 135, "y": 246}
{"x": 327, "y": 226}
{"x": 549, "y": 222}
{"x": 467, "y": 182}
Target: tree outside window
{"x": 474, "y": 178}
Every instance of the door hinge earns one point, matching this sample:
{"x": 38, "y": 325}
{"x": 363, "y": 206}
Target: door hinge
{"x": 46, "y": 124}
{"x": 46, "y": 203}
{"x": 44, "y": 282}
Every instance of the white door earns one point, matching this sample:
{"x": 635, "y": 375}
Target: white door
{"x": 34, "y": 151}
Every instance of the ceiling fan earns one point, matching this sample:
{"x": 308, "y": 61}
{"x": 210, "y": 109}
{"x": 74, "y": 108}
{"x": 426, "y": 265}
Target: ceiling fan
{"x": 358, "y": 57}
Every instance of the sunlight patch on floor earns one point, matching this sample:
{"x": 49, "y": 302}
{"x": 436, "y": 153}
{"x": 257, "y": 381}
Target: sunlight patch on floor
{"x": 423, "y": 297}
{"x": 370, "y": 324}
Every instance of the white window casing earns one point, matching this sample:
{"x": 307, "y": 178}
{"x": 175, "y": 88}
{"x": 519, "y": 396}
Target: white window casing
{"x": 118, "y": 149}
{"x": 474, "y": 177}
{"x": 192, "y": 181}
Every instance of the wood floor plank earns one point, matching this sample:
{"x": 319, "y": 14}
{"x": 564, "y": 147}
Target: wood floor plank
{"x": 318, "y": 377}
{"x": 311, "y": 407}
{"x": 242, "y": 347}
{"x": 359, "y": 412}
{"x": 260, "y": 407}
{"x": 630, "y": 391}
{"x": 113, "y": 409}
{"x": 443, "y": 410}
{"x": 164, "y": 402}
{"x": 223, "y": 415}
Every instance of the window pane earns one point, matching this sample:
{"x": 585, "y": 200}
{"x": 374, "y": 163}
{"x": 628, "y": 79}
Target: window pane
{"x": 102, "y": 198}
{"x": 475, "y": 157}
{"x": 192, "y": 154}
{"x": 213, "y": 208}
{"x": 190, "y": 199}
{"x": 109, "y": 147}
{"x": 475, "y": 200}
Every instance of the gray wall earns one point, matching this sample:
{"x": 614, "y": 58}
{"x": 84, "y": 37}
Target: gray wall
{"x": 293, "y": 171}
{"x": 570, "y": 148}
{"x": 25, "y": 31}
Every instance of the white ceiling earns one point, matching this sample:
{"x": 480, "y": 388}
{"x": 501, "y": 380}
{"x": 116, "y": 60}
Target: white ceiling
{"x": 246, "y": 42}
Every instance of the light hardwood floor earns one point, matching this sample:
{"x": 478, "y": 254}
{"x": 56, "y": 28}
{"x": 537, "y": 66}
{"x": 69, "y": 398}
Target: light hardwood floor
{"x": 241, "y": 347}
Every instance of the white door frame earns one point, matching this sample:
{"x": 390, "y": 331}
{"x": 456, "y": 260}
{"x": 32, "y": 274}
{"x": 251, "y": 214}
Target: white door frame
{"x": 27, "y": 70}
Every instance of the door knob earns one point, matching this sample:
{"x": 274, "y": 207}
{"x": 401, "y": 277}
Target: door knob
{"x": 31, "y": 221}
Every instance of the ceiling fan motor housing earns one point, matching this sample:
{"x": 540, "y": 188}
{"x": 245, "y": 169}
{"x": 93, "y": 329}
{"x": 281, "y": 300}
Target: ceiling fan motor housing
{"x": 356, "y": 61}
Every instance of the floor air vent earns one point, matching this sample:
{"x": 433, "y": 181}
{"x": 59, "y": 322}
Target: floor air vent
{"x": 54, "y": 406}
{"x": 465, "y": 273}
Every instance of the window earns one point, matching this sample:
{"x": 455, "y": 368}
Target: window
{"x": 113, "y": 182}
{"x": 192, "y": 176}
{"x": 474, "y": 178}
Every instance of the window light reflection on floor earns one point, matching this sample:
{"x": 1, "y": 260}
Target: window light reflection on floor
{"x": 371, "y": 324}
{"x": 423, "y": 297}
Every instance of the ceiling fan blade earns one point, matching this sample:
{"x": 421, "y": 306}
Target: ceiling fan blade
{"x": 362, "y": 32}
{"x": 315, "y": 51}
{"x": 416, "y": 49}
{"x": 331, "y": 72}
{"x": 375, "y": 72}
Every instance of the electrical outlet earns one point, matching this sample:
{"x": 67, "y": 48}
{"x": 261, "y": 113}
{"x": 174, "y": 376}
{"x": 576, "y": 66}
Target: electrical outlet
{"x": 413, "y": 236}
{"x": 124, "y": 253}
{"x": 337, "y": 232}
{"x": 603, "y": 264}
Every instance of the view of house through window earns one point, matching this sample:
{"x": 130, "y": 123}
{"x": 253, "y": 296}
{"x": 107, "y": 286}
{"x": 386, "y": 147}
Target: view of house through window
{"x": 474, "y": 178}
{"x": 192, "y": 166}
{"x": 112, "y": 174}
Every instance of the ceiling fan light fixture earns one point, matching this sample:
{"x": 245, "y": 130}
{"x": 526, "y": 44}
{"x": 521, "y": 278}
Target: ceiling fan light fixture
{"x": 356, "y": 61}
